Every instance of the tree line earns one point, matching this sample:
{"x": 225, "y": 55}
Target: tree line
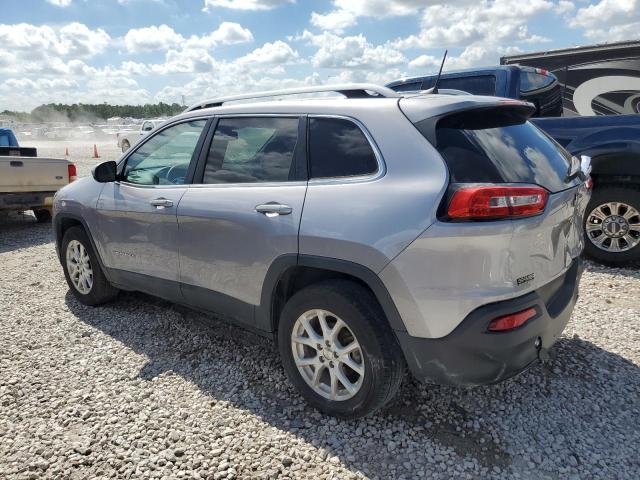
{"x": 86, "y": 112}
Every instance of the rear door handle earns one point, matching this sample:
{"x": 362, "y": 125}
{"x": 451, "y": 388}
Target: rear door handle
{"x": 273, "y": 209}
{"x": 161, "y": 202}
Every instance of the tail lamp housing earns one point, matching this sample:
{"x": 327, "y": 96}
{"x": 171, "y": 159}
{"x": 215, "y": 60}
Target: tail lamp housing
{"x": 72, "y": 172}
{"x": 491, "y": 202}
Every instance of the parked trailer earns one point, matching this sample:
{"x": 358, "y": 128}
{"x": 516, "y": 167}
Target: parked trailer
{"x": 596, "y": 79}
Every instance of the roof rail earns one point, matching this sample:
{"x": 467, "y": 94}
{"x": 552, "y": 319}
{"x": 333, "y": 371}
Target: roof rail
{"x": 349, "y": 90}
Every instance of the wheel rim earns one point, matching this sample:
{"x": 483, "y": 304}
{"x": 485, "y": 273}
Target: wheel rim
{"x": 327, "y": 355}
{"x": 614, "y": 227}
{"x": 79, "y": 267}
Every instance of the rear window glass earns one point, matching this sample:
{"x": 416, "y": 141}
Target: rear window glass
{"x": 338, "y": 148}
{"x": 511, "y": 154}
{"x": 530, "y": 81}
{"x": 408, "y": 87}
{"x": 477, "y": 85}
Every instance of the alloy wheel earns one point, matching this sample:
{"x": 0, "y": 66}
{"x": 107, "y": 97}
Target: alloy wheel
{"x": 79, "y": 267}
{"x": 327, "y": 355}
{"x": 614, "y": 227}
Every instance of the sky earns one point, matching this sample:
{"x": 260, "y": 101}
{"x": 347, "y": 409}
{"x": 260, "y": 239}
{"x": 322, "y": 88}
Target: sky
{"x": 145, "y": 51}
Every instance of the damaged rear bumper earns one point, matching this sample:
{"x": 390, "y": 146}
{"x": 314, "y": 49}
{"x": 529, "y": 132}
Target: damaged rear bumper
{"x": 471, "y": 355}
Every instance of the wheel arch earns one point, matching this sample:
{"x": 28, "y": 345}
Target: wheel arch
{"x": 63, "y": 222}
{"x": 290, "y": 273}
{"x": 616, "y": 167}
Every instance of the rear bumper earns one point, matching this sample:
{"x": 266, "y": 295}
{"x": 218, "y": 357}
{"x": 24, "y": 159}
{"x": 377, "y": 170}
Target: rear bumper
{"x": 471, "y": 355}
{"x": 27, "y": 200}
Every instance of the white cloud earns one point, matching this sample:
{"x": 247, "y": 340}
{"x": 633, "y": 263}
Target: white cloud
{"x": 60, "y": 3}
{"x": 245, "y": 4}
{"x": 163, "y": 38}
{"x": 229, "y": 33}
{"x": 352, "y": 52}
{"x": 277, "y": 52}
{"x": 346, "y": 12}
{"x": 609, "y": 20}
{"x": 148, "y": 39}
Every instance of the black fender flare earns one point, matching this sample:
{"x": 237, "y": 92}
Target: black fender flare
{"x": 57, "y": 232}
{"x": 264, "y": 312}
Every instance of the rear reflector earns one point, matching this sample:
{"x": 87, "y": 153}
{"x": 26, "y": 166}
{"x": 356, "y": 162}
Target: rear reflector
{"x": 512, "y": 321}
{"x": 73, "y": 173}
{"x": 493, "y": 202}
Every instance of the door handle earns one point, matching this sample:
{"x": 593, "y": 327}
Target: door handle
{"x": 273, "y": 209}
{"x": 161, "y": 202}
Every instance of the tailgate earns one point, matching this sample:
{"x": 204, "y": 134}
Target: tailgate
{"x": 25, "y": 174}
{"x": 543, "y": 247}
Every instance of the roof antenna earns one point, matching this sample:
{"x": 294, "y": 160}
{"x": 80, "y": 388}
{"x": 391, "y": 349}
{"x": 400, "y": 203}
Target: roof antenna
{"x": 434, "y": 89}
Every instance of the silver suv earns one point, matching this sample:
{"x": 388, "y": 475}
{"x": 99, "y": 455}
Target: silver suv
{"x": 366, "y": 234}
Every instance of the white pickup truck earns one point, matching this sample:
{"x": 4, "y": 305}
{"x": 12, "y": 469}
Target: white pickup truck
{"x": 28, "y": 182}
{"x": 126, "y": 138}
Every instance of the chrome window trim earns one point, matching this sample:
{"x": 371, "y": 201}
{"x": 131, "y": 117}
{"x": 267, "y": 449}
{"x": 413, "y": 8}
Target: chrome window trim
{"x": 145, "y": 139}
{"x": 379, "y": 173}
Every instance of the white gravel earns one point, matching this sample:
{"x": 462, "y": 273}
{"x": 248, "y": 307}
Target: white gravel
{"x": 142, "y": 388}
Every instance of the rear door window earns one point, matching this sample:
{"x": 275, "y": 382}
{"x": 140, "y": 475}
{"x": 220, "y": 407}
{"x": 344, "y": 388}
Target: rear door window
{"x": 253, "y": 149}
{"x": 339, "y": 148}
{"x": 518, "y": 153}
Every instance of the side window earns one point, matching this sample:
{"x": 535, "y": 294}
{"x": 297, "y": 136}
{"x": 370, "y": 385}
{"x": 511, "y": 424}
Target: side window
{"x": 478, "y": 85}
{"x": 252, "y": 149}
{"x": 338, "y": 148}
{"x": 164, "y": 159}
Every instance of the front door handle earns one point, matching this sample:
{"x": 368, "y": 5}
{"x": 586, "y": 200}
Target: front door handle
{"x": 273, "y": 209}
{"x": 161, "y": 202}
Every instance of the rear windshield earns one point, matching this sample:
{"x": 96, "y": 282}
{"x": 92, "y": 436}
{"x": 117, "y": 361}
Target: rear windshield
{"x": 477, "y": 85}
{"x": 518, "y": 153}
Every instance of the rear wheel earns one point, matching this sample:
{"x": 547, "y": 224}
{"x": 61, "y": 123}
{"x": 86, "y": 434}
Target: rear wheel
{"x": 42, "y": 215}
{"x": 125, "y": 145}
{"x": 612, "y": 225}
{"x": 338, "y": 349}
{"x": 82, "y": 269}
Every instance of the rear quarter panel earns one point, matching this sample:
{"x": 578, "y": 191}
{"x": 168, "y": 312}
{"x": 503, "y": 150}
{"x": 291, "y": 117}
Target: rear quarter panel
{"x": 370, "y": 221}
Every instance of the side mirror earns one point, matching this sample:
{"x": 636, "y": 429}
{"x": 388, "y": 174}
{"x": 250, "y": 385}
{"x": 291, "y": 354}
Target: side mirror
{"x": 105, "y": 172}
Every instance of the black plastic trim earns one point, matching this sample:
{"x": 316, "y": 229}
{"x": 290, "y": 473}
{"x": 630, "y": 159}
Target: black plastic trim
{"x": 57, "y": 231}
{"x": 471, "y": 355}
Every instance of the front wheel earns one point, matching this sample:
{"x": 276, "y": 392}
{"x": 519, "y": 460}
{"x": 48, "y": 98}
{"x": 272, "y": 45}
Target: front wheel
{"x": 125, "y": 145}
{"x": 612, "y": 225}
{"x": 338, "y": 350}
{"x": 82, "y": 269}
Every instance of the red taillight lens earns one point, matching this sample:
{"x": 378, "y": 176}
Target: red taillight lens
{"x": 73, "y": 173}
{"x": 492, "y": 202}
{"x": 512, "y": 321}
{"x": 589, "y": 183}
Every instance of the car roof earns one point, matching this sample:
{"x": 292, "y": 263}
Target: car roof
{"x": 424, "y": 105}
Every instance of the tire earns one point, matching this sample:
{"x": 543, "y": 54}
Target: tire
{"x": 100, "y": 291}
{"x": 125, "y": 145}
{"x": 622, "y": 194}
{"x": 379, "y": 353}
{"x": 43, "y": 215}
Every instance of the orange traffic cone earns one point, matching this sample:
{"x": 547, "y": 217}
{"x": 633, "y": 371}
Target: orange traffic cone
{"x": 66, "y": 152}
{"x": 95, "y": 151}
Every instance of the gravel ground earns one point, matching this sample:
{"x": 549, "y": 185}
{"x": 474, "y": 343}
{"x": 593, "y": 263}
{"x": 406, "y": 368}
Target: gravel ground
{"x": 143, "y": 388}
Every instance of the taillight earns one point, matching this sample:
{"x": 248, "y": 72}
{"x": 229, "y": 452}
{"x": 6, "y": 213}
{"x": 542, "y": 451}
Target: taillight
{"x": 512, "y": 321}
{"x": 589, "y": 183}
{"x": 542, "y": 71}
{"x": 73, "y": 173}
{"x": 494, "y": 202}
